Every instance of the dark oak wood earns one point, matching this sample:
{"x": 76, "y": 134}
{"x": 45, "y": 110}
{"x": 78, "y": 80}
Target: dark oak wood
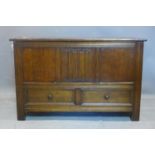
{"x": 77, "y": 108}
{"x": 138, "y": 79}
{"x": 107, "y": 96}
{"x": 78, "y": 75}
{"x": 78, "y": 64}
{"x": 79, "y": 94}
{"x": 19, "y": 83}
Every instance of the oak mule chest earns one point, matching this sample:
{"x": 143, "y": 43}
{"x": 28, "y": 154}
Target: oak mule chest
{"x": 78, "y": 75}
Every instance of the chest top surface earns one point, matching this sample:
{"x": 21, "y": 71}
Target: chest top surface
{"x": 76, "y": 39}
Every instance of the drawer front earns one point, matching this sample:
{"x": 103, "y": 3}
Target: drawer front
{"x": 107, "y": 96}
{"x": 46, "y": 95}
{"x": 75, "y": 94}
{"x": 79, "y": 98}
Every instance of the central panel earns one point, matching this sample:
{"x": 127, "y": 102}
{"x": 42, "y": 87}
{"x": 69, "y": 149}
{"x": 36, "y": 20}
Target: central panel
{"x": 78, "y": 64}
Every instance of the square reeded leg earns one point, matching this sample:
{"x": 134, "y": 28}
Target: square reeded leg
{"x": 134, "y": 116}
{"x": 21, "y": 116}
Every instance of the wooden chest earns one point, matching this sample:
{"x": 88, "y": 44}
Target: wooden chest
{"x": 78, "y": 75}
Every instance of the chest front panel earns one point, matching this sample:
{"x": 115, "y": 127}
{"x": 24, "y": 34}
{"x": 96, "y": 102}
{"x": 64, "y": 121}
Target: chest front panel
{"x": 78, "y": 64}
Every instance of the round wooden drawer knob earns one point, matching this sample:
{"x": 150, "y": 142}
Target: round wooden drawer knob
{"x": 50, "y": 97}
{"x": 106, "y": 97}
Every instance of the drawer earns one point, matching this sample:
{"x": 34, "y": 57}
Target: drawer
{"x": 107, "y": 96}
{"x": 79, "y": 94}
{"x": 47, "y": 95}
